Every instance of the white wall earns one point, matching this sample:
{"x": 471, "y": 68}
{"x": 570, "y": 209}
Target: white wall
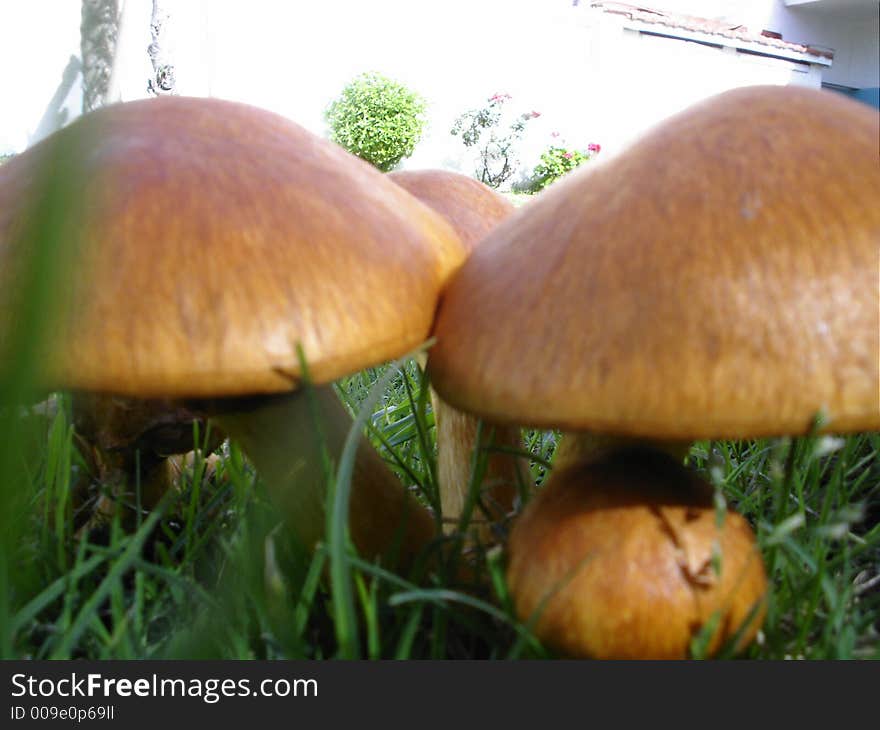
{"x": 640, "y": 79}
{"x": 850, "y": 27}
{"x": 853, "y": 33}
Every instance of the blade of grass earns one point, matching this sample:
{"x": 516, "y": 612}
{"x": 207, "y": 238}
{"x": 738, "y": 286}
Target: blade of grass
{"x": 120, "y": 567}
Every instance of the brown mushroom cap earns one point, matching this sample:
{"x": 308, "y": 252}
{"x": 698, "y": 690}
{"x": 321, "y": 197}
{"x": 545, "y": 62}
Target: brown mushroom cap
{"x": 624, "y": 559}
{"x": 472, "y": 208}
{"x": 215, "y": 237}
{"x": 718, "y": 279}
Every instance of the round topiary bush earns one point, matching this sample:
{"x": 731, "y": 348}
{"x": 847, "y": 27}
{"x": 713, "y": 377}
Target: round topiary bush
{"x": 377, "y": 119}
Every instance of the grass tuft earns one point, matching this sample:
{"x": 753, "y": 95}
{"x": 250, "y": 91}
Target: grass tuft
{"x": 213, "y": 572}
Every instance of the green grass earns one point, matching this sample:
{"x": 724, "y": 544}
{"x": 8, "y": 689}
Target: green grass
{"x": 213, "y": 572}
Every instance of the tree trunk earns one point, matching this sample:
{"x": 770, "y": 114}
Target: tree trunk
{"x": 99, "y": 30}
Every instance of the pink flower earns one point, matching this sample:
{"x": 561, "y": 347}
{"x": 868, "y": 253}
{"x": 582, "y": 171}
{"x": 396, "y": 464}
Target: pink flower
{"x": 500, "y": 97}
{"x": 593, "y": 147}
{"x": 567, "y": 155}
{"x": 554, "y": 134}
{"x": 535, "y": 115}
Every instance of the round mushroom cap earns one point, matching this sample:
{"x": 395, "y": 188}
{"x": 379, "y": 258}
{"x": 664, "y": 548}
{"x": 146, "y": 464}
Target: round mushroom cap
{"x": 211, "y": 239}
{"x": 471, "y": 207}
{"x": 625, "y": 559}
{"x": 719, "y": 279}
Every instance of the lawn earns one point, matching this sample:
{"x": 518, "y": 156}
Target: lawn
{"x": 214, "y": 573}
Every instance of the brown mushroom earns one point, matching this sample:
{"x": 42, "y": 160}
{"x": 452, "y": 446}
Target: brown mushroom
{"x": 127, "y": 441}
{"x": 712, "y": 281}
{"x": 473, "y": 209}
{"x": 214, "y": 240}
{"x": 633, "y": 546}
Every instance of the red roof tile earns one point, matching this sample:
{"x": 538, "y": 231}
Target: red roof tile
{"x": 709, "y": 26}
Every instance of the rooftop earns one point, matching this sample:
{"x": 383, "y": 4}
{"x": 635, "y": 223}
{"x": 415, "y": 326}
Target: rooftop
{"x": 722, "y": 29}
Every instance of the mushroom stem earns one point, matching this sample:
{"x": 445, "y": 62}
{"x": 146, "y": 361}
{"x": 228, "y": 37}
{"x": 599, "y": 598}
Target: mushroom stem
{"x": 280, "y": 437}
{"x": 504, "y": 476}
{"x": 458, "y": 437}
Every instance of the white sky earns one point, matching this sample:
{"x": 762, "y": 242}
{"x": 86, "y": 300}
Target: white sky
{"x": 292, "y": 57}
{"x": 36, "y": 41}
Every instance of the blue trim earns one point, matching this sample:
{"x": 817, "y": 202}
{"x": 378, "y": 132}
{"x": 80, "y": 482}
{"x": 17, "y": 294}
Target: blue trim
{"x": 869, "y": 96}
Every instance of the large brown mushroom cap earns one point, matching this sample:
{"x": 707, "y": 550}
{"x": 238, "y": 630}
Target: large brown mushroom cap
{"x": 718, "y": 279}
{"x": 471, "y": 207}
{"x": 213, "y": 238}
{"x": 625, "y": 559}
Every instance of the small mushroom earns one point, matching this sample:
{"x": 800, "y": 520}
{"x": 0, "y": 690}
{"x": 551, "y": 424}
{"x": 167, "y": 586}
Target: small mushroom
{"x": 215, "y": 242}
{"x": 712, "y": 281}
{"x": 473, "y": 209}
{"x": 126, "y": 442}
{"x": 625, "y": 558}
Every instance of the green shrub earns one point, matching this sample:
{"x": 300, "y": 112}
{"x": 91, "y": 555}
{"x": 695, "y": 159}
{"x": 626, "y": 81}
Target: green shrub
{"x": 556, "y": 161}
{"x": 377, "y": 119}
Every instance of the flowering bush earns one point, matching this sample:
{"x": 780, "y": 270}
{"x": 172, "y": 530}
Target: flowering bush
{"x": 377, "y": 119}
{"x": 556, "y": 161}
{"x": 495, "y": 142}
